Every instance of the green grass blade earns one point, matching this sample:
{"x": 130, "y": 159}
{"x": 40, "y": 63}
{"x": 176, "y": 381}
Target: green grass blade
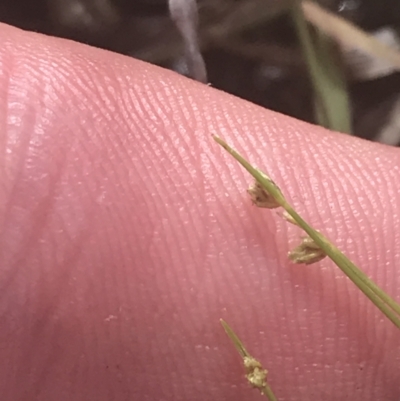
{"x": 332, "y": 102}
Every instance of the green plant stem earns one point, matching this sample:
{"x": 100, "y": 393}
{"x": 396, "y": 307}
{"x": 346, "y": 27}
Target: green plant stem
{"x": 269, "y": 393}
{"x": 386, "y": 304}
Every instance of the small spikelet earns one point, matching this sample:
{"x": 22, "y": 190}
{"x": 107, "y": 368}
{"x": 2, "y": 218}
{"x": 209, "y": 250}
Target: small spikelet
{"x": 308, "y": 252}
{"x": 261, "y": 197}
{"x": 255, "y": 373}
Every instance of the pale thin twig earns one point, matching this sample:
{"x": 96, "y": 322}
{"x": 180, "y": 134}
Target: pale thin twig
{"x": 184, "y": 14}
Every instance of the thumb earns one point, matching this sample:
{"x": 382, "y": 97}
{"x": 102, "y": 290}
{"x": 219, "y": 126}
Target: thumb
{"x": 126, "y": 234}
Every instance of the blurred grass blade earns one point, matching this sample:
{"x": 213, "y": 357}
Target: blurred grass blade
{"x": 348, "y": 34}
{"x": 327, "y": 78}
{"x": 386, "y": 304}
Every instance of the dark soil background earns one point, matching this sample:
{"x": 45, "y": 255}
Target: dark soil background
{"x": 249, "y": 46}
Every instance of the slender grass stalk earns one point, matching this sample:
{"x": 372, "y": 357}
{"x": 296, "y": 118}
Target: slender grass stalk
{"x": 255, "y": 373}
{"x": 386, "y": 304}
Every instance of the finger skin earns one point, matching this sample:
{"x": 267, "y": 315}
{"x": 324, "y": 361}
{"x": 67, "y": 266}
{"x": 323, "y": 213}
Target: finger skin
{"x": 126, "y": 234}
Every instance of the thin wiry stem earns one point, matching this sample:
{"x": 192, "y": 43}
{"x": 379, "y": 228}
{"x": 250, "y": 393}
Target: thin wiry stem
{"x": 384, "y": 302}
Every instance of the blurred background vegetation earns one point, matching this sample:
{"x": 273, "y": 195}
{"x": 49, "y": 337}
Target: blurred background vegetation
{"x": 251, "y": 48}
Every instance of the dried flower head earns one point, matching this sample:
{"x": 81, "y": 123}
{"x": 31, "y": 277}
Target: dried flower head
{"x": 261, "y": 197}
{"x": 307, "y": 252}
{"x": 255, "y": 373}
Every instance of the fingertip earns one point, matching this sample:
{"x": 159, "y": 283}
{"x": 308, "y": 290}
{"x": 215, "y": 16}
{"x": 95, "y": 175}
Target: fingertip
{"x": 122, "y": 203}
